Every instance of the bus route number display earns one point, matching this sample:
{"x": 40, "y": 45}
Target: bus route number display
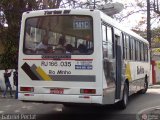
{"x": 81, "y": 24}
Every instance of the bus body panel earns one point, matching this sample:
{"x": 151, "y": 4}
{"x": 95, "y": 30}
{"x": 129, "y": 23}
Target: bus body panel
{"x": 136, "y": 73}
{"x": 79, "y": 99}
{"x": 65, "y": 76}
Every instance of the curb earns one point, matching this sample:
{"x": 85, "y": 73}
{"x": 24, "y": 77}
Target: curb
{"x": 154, "y": 86}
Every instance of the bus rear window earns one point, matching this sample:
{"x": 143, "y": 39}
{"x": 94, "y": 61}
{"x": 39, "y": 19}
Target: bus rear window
{"x": 59, "y": 35}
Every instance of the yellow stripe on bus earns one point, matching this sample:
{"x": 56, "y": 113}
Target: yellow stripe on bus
{"x": 43, "y": 74}
{"x": 128, "y": 72}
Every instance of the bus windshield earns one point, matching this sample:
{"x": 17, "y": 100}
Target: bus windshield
{"x": 59, "y": 35}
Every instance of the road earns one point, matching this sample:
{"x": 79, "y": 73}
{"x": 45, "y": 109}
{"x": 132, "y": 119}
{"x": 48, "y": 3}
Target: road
{"x": 40, "y": 111}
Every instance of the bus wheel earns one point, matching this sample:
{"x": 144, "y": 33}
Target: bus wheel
{"x": 123, "y": 103}
{"x": 144, "y": 90}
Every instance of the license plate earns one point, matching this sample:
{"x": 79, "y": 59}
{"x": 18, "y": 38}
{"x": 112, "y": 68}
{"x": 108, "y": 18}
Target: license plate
{"x": 57, "y": 91}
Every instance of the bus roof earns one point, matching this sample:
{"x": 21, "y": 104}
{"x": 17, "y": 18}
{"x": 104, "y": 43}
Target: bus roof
{"x": 117, "y": 25}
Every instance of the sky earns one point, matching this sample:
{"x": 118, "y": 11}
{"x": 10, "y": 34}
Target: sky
{"x": 134, "y": 19}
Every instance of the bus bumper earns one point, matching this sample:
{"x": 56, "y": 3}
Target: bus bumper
{"x": 56, "y": 98}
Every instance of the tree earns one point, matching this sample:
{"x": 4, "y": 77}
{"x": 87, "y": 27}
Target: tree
{"x": 138, "y": 9}
{"x": 156, "y": 38}
{"x": 9, "y": 36}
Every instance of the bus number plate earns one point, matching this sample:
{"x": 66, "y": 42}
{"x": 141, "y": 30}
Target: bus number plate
{"x": 56, "y": 91}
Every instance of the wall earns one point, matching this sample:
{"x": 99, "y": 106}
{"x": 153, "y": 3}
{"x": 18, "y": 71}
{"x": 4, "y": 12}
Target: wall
{"x": 150, "y": 76}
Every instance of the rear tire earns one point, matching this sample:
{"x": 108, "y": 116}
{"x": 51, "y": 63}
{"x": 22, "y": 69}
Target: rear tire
{"x": 123, "y": 103}
{"x": 143, "y": 91}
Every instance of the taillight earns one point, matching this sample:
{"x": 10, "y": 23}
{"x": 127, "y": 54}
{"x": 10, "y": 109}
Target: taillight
{"x": 88, "y": 91}
{"x": 26, "y": 89}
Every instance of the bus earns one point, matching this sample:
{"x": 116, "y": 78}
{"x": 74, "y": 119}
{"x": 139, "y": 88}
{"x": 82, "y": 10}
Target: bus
{"x": 88, "y": 58}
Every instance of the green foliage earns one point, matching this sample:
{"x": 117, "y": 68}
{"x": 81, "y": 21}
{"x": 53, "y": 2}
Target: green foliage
{"x": 156, "y": 39}
{"x": 9, "y": 36}
{"x": 158, "y": 83}
{"x": 156, "y": 33}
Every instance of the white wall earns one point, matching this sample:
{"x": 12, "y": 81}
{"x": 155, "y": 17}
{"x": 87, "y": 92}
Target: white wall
{"x": 157, "y": 69}
{"x": 2, "y": 83}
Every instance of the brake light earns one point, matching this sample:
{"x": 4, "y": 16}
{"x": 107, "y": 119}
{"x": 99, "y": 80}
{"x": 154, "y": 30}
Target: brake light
{"x": 27, "y": 89}
{"x": 88, "y": 91}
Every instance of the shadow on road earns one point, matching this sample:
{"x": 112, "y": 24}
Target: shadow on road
{"x": 78, "y": 113}
{"x": 108, "y": 112}
{"x": 88, "y": 113}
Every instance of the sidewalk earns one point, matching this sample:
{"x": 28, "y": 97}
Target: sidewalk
{"x": 7, "y": 95}
{"x": 149, "y": 114}
{"x": 154, "y": 86}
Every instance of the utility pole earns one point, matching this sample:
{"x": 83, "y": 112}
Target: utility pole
{"x": 94, "y": 7}
{"x": 148, "y": 23}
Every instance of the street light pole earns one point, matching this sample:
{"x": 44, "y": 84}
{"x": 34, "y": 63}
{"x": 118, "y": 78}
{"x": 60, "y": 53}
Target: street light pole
{"x": 148, "y": 23}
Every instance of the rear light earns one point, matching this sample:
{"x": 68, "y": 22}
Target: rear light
{"x": 29, "y": 94}
{"x": 88, "y": 91}
{"x": 26, "y": 89}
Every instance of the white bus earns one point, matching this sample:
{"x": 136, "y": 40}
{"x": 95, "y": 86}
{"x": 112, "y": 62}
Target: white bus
{"x": 88, "y": 58}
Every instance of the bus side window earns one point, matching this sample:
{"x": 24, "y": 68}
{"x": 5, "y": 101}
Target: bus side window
{"x": 127, "y": 48}
{"x": 137, "y": 50}
{"x": 109, "y": 42}
{"x": 104, "y": 35}
{"x": 133, "y": 48}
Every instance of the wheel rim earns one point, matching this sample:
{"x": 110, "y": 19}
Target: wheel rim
{"x": 125, "y": 98}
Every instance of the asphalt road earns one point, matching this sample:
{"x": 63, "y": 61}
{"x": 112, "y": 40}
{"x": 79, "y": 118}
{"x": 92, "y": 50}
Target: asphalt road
{"x": 18, "y": 110}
